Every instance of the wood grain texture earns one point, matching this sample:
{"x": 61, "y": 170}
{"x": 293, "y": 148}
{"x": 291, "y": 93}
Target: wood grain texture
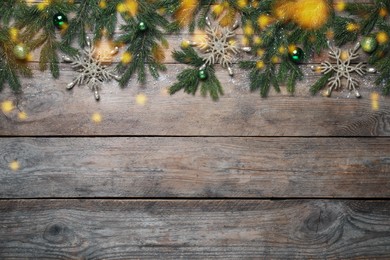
{"x": 223, "y": 229}
{"x": 195, "y": 167}
{"x": 52, "y": 110}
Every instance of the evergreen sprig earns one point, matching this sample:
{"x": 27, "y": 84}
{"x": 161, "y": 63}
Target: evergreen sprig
{"x": 188, "y": 79}
{"x": 145, "y": 46}
{"x": 321, "y": 83}
{"x": 92, "y": 16}
{"x": 371, "y": 22}
{"x": 39, "y": 31}
{"x": 10, "y": 66}
{"x": 380, "y": 59}
{"x": 261, "y": 79}
{"x": 193, "y": 16}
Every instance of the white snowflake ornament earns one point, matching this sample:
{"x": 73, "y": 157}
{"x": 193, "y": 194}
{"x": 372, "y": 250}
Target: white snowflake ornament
{"x": 343, "y": 69}
{"x": 220, "y": 45}
{"x": 92, "y": 71}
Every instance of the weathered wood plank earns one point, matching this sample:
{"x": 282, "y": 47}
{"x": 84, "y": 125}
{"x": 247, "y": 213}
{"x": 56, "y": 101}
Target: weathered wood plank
{"x": 52, "y": 110}
{"x": 195, "y": 167}
{"x": 111, "y": 229}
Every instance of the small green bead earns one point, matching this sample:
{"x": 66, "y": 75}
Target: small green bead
{"x": 297, "y": 55}
{"x": 142, "y": 26}
{"x": 202, "y": 74}
{"x": 60, "y": 20}
{"x": 369, "y": 44}
{"x": 21, "y": 51}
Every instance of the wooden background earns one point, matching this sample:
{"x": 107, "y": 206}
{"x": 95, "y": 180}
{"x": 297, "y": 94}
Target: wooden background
{"x": 184, "y": 177}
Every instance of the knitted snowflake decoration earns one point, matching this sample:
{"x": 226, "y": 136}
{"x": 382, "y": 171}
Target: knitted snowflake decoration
{"x": 91, "y": 70}
{"x": 220, "y": 45}
{"x": 343, "y": 69}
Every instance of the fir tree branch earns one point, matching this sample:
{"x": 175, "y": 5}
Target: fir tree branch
{"x": 10, "y": 66}
{"x": 188, "y": 79}
{"x": 141, "y": 43}
{"x": 39, "y": 29}
{"x": 92, "y": 15}
{"x": 321, "y": 83}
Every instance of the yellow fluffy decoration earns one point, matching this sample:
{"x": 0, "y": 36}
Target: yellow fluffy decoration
{"x": 308, "y": 14}
{"x": 184, "y": 15}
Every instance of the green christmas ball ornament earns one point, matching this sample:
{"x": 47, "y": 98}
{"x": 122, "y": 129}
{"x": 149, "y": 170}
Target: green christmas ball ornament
{"x": 60, "y": 21}
{"x": 202, "y": 74}
{"x": 21, "y": 51}
{"x": 369, "y": 44}
{"x": 142, "y": 26}
{"x": 297, "y": 55}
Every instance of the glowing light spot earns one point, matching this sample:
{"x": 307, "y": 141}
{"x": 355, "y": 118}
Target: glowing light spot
{"x": 352, "y": 27}
{"x": 339, "y": 6}
{"x": 245, "y": 41}
{"x": 275, "y": 59}
{"x": 199, "y": 36}
{"x": 165, "y": 91}
{"x": 317, "y": 69}
{"x": 102, "y": 4}
{"x": 383, "y": 12}
{"x": 344, "y": 55}
{"x": 282, "y": 50}
{"x": 260, "y": 64}
{"x": 375, "y": 101}
{"x": 22, "y": 115}
{"x": 30, "y": 56}
{"x": 218, "y": 9}
{"x": 126, "y": 58}
{"x": 104, "y": 50}
{"x": 7, "y": 106}
{"x": 96, "y": 118}
{"x": 185, "y": 44}
{"x": 14, "y": 165}
{"x": 260, "y": 52}
{"x": 141, "y": 99}
{"x": 382, "y": 37}
{"x": 14, "y": 34}
{"x": 248, "y": 29}
{"x": 329, "y": 34}
{"x": 264, "y": 20}
{"x": 162, "y": 11}
{"x": 292, "y": 48}
{"x": 128, "y": 6}
{"x": 42, "y": 6}
{"x": 242, "y": 3}
{"x": 257, "y": 40}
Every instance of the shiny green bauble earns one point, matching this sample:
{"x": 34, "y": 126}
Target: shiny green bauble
{"x": 369, "y": 44}
{"x": 142, "y": 26}
{"x": 202, "y": 74}
{"x": 21, "y": 51}
{"x": 60, "y": 21}
{"x": 297, "y": 55}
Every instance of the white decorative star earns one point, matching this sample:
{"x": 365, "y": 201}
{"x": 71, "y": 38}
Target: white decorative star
{"x": 343, "y": 69}
{"x": 220, "y": 45}
{"x": 91, "y": 70}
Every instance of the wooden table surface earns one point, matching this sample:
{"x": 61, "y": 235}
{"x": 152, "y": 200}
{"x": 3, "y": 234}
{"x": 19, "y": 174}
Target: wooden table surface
{"x": 300, "y": 176}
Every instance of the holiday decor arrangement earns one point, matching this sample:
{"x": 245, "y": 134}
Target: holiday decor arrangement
{"x": 271, "y": 39}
